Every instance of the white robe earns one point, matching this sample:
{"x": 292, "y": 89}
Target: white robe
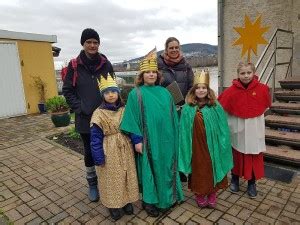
{"x": 247, "y": 135}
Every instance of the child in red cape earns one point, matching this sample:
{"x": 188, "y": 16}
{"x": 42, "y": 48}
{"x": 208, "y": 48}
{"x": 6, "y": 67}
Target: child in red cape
{"x": 245, "y": 101}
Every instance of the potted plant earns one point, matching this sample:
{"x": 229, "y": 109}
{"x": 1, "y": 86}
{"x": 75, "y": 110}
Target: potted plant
{"x": 59, "y": 110}
{"x": 40, "y": 85}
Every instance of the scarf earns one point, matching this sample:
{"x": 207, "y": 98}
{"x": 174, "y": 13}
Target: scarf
{"x": 91, "y": 64}
{"x": 112, "y": 107}
{"x": 172, "y": 61}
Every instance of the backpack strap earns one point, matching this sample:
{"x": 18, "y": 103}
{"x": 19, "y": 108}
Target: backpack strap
{"x": 74, "y": 66}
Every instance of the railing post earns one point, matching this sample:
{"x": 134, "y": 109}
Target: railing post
{"x": 274, "y": 72}
{"x": 291, "y": 63}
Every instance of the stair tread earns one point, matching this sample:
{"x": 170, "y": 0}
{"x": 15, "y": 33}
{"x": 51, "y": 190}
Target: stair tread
{"x": 283, "y": 119}
{"x": 283, "y": 105}
{"x": 288, "y": 92}
{"x": 283, "y": 135}
{"x": 283, "y": 152}
{"x": 291, "y": 79}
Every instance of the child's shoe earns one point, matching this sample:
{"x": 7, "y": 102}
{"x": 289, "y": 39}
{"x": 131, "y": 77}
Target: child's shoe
{"x": 251, "y": 189}
{"x": 212, "y": 200}
{"x": 201, "y": 201}
{"x": 128, "y": 209}
{"x": 115, "y": 213}
{"x": 234, "y": 184}
{"x": 150, "y": 209}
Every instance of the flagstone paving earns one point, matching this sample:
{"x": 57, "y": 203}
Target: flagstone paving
{"x": 42, "y": 182}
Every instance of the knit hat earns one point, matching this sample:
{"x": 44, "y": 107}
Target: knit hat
{"x": 89, "y": 33}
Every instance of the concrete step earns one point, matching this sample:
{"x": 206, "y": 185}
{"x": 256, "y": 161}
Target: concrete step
{"x": 283, "y": 138}
{"x": 283, "y": 154}
{"x": 286, "y": 108}
{"x": 290, "y": 83}
{"x": 290, "y": 122}
{"x": 286, "y": 95}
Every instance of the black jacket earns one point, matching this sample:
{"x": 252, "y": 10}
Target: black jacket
{"x": 85, "y": 97}
{"x": 182, "y": 73}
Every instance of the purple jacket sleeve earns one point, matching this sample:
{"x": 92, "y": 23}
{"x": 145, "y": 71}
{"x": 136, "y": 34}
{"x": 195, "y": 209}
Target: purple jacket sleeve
{"x": 135, "y": 139}
{"x": 97, "y": 145}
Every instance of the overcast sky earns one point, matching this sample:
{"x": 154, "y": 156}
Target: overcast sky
{"x": 127, "y": 28}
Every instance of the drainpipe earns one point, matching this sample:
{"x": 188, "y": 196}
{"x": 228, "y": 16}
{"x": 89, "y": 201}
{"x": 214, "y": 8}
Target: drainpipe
{"x": 220, "y": 45}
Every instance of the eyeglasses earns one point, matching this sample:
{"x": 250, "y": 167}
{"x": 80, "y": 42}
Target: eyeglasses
{"x": 92, "y": 42}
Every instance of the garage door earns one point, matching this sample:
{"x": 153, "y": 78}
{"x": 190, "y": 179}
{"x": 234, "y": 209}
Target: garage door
{"x": 12, "y": 97}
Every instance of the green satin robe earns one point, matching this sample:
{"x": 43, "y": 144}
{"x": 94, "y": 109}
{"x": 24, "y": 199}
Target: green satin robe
{"x": 157, "y": 170}
{"x": 217, "y": 137}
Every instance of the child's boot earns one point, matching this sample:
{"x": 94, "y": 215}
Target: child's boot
{"x": 115, "y": 214}
{"x": 201, "y": 200}
{"x": 234, "y": 184}
{"x": 93, "y": 192}
{"x": 212, "y": 200}
{"x": 251, "y": 189}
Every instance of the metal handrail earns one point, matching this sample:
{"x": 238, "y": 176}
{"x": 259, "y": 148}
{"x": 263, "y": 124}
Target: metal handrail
{"x": 269, "y": 76}
{"x": 270, "y": 42}
{"x": 266, "y": 49}
{"x": 289, "y": 67}
{"x": 267, "y": 64}
{"x": 272, "y": 72}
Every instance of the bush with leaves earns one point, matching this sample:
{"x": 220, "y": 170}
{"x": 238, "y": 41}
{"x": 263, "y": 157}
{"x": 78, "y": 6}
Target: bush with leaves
{"x": 72, "y": 133}
{"x": 57, "y": 104}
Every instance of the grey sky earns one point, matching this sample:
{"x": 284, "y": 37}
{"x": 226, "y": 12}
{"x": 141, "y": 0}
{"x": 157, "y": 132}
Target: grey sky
{"x": 127, "y": 28}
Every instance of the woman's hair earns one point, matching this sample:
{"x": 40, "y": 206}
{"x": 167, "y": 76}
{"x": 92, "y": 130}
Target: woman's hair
{"x": 242, "y": 64}
{"x": 139, "y": 81}
{"x": 170, "y": 39}
{"x": 193, "y": 100}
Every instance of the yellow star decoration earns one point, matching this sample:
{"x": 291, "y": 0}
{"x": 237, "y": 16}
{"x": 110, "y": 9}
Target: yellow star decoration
{"x": 251, "y": 36}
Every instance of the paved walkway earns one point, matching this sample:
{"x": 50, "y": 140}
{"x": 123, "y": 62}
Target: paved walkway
{"x": 42, "y": 182}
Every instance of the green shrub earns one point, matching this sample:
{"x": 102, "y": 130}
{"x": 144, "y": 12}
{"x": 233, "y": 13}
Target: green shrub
{"x": 72, "y": 133}
{"x": 57, "y": 104}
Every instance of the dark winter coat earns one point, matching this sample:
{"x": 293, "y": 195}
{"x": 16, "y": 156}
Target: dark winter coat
{"x": 85, "y": 97}
{"x": 182, "y": 73}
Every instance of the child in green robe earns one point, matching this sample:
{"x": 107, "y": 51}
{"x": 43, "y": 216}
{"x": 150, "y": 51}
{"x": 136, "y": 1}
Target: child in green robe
{"x": 204, "y": 142}
{"x": 150, "y": 115}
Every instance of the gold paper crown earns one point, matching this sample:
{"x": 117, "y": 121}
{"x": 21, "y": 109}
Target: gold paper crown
{"x": 149, "y": 63}
{"x": 106, "y": 83}
{"x": 201, "y": 77}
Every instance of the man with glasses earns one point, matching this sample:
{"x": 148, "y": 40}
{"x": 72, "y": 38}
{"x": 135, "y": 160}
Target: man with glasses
{"x": 83, "y": 96}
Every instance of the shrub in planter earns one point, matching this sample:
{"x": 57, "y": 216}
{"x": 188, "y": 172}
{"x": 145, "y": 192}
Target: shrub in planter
{"x": 59, "y": 109}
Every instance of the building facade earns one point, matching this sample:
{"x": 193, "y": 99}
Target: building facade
{"x": 282, "y": 14}
{"x": 22, "y": 57}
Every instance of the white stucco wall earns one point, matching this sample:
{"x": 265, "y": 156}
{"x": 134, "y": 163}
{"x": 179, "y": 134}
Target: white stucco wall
{"x": 282, "y": 14}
